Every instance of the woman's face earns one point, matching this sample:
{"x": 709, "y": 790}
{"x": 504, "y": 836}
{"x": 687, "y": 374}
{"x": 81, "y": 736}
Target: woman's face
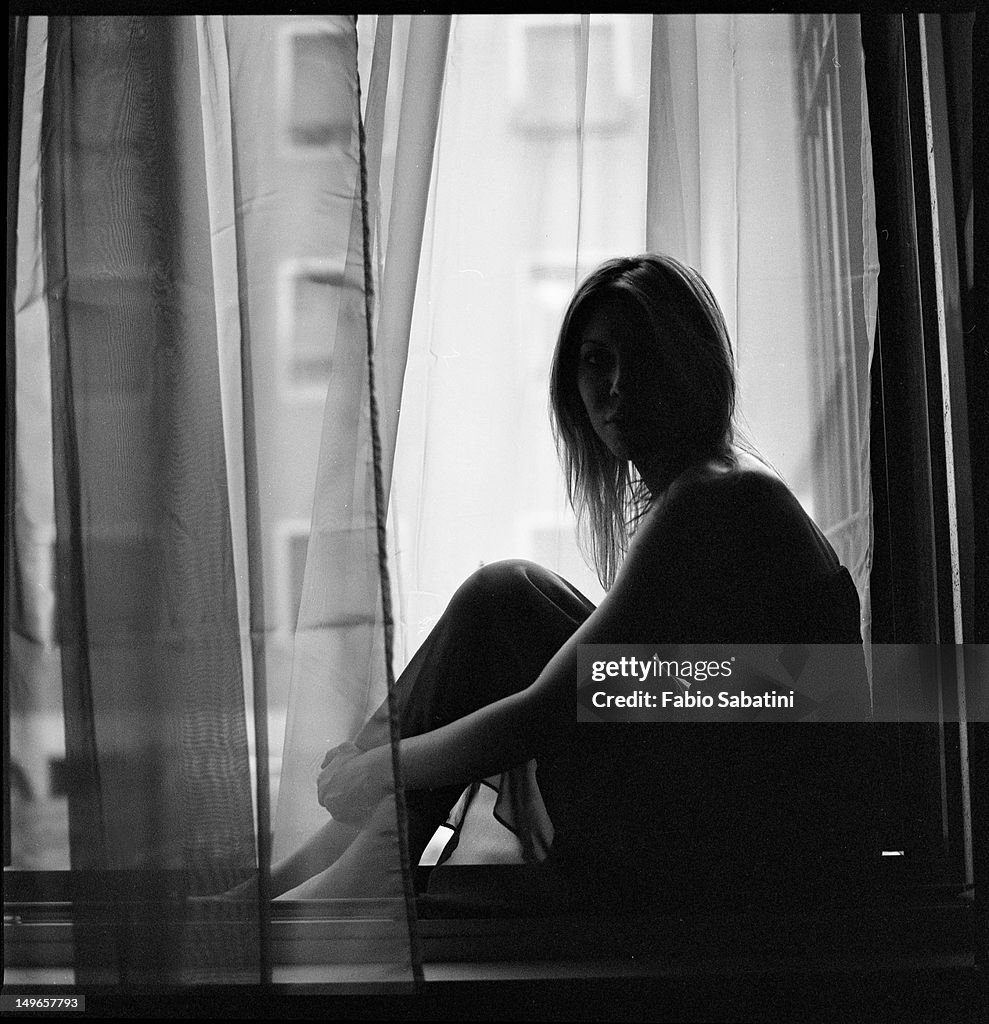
{"x": 621, "y": 381}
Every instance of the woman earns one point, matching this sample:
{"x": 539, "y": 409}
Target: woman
{"x": 694, "y": 540}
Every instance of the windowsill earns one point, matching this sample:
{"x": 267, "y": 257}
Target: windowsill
{"x": 333, "y": 942}
{"x": 882, "y": 961}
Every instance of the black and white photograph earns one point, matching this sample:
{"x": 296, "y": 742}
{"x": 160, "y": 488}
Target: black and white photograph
{"x": 495, "y": 516}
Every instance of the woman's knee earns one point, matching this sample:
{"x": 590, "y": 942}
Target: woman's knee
{"x": 519, "y": 588}
{"x": 499, "y": 582}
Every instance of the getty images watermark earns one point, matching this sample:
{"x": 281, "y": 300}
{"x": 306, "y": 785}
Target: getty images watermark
{"x": 683, "y": 674}
{"x": 782, "y": 683}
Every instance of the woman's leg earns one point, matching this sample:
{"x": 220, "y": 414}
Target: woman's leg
{"x": 366, "y": 867}
{"x": 499, "y": 631}
{"x": 315, "y": 855}
{"x": 320, "y": 851}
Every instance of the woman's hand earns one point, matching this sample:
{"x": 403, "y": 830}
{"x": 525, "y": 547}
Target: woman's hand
{"x": 353, "y": 782}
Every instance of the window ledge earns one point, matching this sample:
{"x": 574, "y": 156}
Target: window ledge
{"x": 325, "y": 944}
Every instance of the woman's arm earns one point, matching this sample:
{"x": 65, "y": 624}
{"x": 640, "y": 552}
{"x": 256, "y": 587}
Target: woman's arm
{"x": 512, "y": 730}
{"x": 485, "y": 742}
{"x": 648, "y": 587}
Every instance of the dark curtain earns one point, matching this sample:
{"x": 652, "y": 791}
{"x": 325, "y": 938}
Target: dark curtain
{"x": 160, "y": 792}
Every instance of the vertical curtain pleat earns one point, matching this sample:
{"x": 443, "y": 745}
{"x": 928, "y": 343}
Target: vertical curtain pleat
{"x": 97, "y": 950}
{"x": 425, "y": 67}
{"x": 692, "y": 200}
{"x": 33, "y": 685}
{"x": 671, "y": 206}
{"x": 239, "y": 418}
{"x": 16, "y": 65}
{"x": 298, "y": 214}
{"x": 214, "y": 75}
{"x": 581, "y": 58}
{"x": 334, "y": 642}
{"x": 777, "y": 215}
{"x": 375, "y": 94}
{"x": 863, "y": 291}
{"x": 151, "y": 661}
{"x": 34, "y": 509}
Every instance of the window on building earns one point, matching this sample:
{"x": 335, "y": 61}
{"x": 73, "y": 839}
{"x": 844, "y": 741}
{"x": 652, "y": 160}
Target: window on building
{"x": 542, "y": 73}
{"x": 309, "y": 305}
{"x": 291, "y": 544}
{"x": 312, "y": 57}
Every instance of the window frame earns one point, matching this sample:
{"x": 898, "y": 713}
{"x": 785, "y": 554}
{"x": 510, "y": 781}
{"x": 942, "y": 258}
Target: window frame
{"x": 903, "y": 553}
{"x": 914, "y": 582}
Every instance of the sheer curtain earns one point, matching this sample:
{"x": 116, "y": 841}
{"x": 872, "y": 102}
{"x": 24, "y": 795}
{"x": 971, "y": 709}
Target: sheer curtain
{"x": 760, "y": 176}
{"x": 693, "y": 140}
{"x": 118, "y": 276}
{"x": 338, "y": 674}
{"x": 192, "y": 415}
{"x": 190, "y": 321}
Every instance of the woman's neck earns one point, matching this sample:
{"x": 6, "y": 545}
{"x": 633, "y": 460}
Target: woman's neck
{"x": 658, "y": 475}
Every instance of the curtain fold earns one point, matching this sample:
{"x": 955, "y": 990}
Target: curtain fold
{"x": 337, "y": 668}
{"x": 152, "y": 686}
{"x": 338, "y": 675}
{"x": 34, "y": 680}
{"x": 425, "y": 66}
{"x": 695, "y": 181}
{"x": 16, "y": 74}
{"x": 237, "y": 389}
{"x": 220, "y": 192}
{"x": 759, "y": 177}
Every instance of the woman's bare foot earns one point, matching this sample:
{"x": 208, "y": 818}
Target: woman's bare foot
{"x": 370, "y": 867}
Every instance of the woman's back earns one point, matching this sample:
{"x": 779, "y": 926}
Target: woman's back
{"x": 731, "y": 557}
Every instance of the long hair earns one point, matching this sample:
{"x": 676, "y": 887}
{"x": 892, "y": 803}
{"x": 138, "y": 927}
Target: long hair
{"x": 680, "y": 321}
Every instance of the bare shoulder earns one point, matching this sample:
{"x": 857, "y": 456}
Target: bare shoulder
{"x": 744, "y": 482}
{"x": 742, "y": 506}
